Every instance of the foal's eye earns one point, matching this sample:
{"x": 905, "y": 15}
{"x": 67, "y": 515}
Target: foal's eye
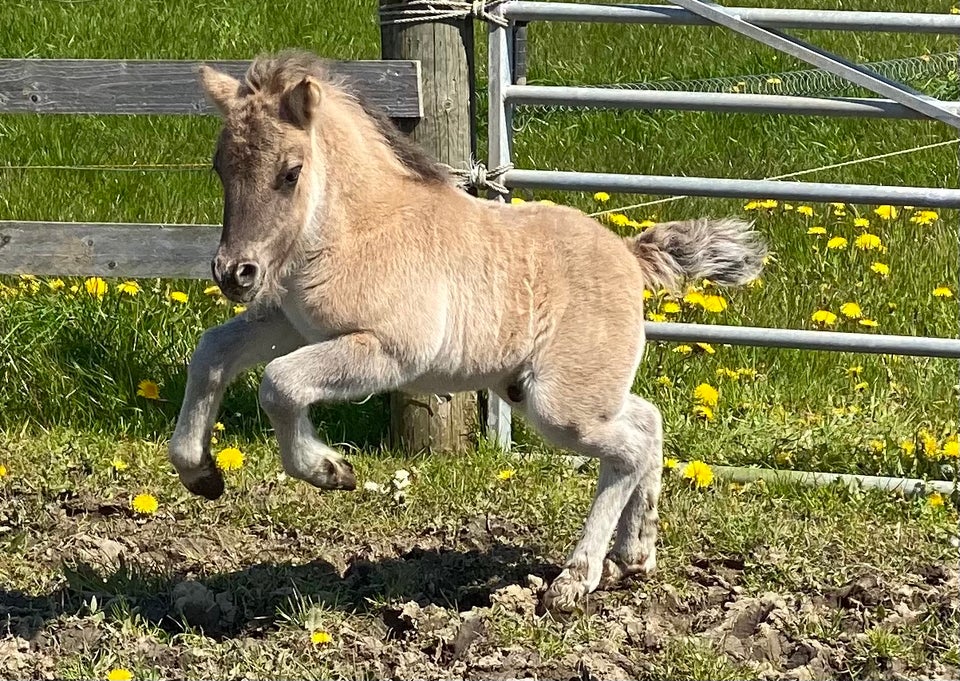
{"x": 291, "y": 176}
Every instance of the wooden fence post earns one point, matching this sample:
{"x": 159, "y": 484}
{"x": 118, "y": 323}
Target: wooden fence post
{"x": 447, "y": 130}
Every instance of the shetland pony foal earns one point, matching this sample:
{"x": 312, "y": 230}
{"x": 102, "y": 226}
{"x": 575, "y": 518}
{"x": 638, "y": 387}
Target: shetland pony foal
{"x": 368, "y": 270}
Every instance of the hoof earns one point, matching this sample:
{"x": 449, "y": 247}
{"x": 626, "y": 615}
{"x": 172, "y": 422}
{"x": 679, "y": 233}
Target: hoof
{"x": 209, "y": 485}
{"x": 617, "y": 571}
{"x": 334, "y": 475}
{"x": 567, "y": 592}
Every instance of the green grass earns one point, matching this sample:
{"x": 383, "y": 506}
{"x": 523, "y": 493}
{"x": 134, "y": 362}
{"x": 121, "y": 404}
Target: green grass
{"x": 70, "y": 365}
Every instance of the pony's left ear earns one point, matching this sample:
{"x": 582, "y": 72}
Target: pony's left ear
{"x": 299, "y": 104}
{"x": 221, "y": 88}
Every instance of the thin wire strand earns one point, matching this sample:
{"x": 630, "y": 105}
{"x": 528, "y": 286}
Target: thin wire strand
{"x": 118, "y": 168}
{"x": 798, "y": 173}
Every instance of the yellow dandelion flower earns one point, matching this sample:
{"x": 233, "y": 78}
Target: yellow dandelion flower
{"x": 836, "y": 243}
{"x": 881, "y": 268}
{"x": 211, "y": 291}
{"x": 769, "y": 204}
{"x": 670, "y": 462}
{"x": 119, "y": 464}
{"x": 664, "y": 381}
{"x": 602, "y": 197}
{"x": 887, "y": 212}
{"x": 646, "y": 224}
{"x": 955, "y": 10}
{"x": 145, "y": 504}
{"x": 943, "y": 292}
{"x": 817, "y": 230}
{"x": 230, "y": 459}
{"x": 699, "y": 473}
{"x": 179, "y": 296}
{"x": 805, "y": 210}
{"x": 119, "y": 674}
{"x": 861, "y": 386}
{"x": 131, "y": 288}
{"x": 516, "y": 200}
{"x": 755, "y": 283}
{"x": 861, "y": 222}
{"x": 683, "y": 349}
{"x": 724, "y": 372}
{"x": 838, "y": 205}
{"x": 656, "y": 317}
{"x": 930, "y": 445}
{"x": 869, "y": 323}
{"x": 619, "y": 219}
{"x": 703, "y": 411}
{"x": 935, "y": 500}
{"x": 239, "y": 309}
{"x": 671, "y": 307}
{"x": 824, "y": 317}
{"x": 95, "y": 286}
{"x": 647, "y": 294}
{"x": 707, "y": 348}
{"x": 924, "y": 217}
{"x": 877, "y": 446}
{"x": 908, "y": 447}
{"x": 714, "y": 303}
{"x": 694, "y": 298}
{"x": 55, "y": 284}
{"x": 506, "y": 474}
{"x": 149, "y": 390}
{"x": 706, "y": 394}
{"x": 951, "y": 449}
{"x": 868, "y": 242}
{"x": 320, "y": 638}
{"x": 854, "y": 370}
{"x": 747, "y": 372}
{"x": 219, "y": 427}
{"x": 74, "y": 289}
{"x": 851, "y": 310}
{"x": 751, "y": 205}
{"x": 3, "y": 471}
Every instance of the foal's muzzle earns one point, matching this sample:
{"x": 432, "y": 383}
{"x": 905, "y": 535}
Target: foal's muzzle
{"x": 239, "y": 281}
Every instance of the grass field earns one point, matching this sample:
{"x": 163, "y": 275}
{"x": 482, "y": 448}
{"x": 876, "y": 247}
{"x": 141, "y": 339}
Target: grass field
{"x": 277, "y": 563}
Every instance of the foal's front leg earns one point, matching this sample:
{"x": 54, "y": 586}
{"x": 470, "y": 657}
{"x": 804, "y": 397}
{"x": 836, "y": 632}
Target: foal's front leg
{"x": 223, "y": 352}
{"x": 347, "y": 367}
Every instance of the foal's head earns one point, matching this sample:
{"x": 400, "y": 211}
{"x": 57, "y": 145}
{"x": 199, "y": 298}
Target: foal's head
{"x": 288, "y": 129}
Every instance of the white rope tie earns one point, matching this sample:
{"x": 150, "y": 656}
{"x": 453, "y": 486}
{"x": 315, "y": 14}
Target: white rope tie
{"x": 479, "y": 177}
{"x": 437, "y": 10}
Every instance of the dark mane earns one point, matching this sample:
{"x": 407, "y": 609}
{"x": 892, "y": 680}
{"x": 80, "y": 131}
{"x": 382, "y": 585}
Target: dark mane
{"x": 274, "y": 74}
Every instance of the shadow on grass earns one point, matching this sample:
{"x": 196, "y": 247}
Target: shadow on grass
{"x": 253, "y": 601}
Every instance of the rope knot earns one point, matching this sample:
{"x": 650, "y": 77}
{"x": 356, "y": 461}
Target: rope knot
{"x": 479, "y": 177}
{"x": 412, "y": 11}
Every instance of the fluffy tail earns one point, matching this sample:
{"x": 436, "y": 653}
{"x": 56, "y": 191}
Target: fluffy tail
{"x": 726, "y": 251}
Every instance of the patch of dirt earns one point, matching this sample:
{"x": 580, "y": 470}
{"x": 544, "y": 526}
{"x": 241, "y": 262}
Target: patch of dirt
{"x": 453, "y": 602}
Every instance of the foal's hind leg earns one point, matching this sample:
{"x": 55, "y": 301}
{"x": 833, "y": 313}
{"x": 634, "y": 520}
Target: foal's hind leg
{"x": 348, "y": 367}
{"x": 627, "y": 447}
{"x": 635, "y": 548}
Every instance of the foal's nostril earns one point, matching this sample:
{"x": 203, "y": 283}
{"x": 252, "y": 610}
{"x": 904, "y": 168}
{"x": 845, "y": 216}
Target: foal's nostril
{"x": 246, "y": 274}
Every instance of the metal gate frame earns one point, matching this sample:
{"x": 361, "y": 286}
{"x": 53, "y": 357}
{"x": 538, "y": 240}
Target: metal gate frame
{"x": 762, "y": 25}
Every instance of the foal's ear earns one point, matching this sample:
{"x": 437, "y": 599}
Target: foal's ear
{"x": 221, "y": 88}
{"x": 299, "y": 104}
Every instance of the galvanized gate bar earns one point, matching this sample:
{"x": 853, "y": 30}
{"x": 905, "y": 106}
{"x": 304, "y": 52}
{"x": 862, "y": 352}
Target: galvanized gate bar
{"x": 799, "y": 339}
{"x": 724, "y": 102}
{"x": 827, "y": 20}
{"x": 824, "y": 60}
{"x": 498, "y": 413}
{"x": 717, "y": 187}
